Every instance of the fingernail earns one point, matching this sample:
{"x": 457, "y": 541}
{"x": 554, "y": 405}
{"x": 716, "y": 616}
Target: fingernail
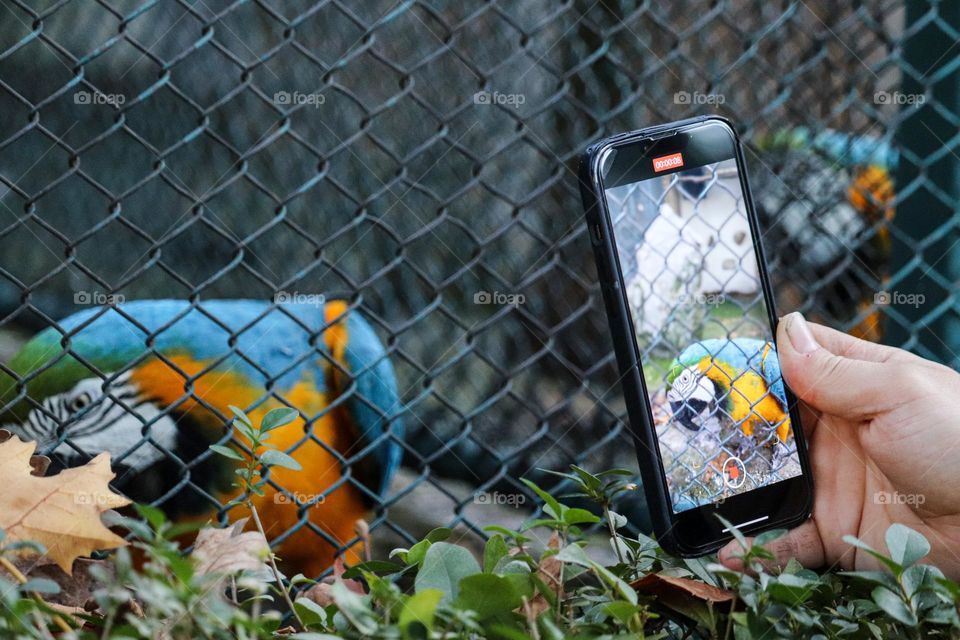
{"x": 801, "y": 338}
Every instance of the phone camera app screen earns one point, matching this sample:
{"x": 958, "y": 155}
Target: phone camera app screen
{"x": 703, "y": 330}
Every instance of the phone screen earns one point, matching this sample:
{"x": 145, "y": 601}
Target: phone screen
{"x": 702, "y": 326}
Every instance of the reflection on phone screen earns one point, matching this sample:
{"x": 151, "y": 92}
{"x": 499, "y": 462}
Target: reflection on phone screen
{"x": 709, "y": 361}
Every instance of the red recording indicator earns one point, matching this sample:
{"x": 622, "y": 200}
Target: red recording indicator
{"x": 664, "y": 163}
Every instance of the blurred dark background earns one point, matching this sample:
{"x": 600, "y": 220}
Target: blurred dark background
{"x": 412, "y": 155}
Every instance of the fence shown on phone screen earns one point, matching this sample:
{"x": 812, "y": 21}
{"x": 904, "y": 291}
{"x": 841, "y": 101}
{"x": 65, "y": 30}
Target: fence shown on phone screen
{"x": 388, "y": 191}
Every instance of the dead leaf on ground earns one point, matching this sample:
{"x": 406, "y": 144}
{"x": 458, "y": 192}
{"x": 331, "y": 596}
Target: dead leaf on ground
{"x": 691, "y": 598}
{"x": 61, "y": 512}
{"x": 657, "y": 585}
{"x": 76, "y": 589}
{"x": 549, "y": 570}
{"x": 320, "y": 592}
{"x": 38, "y": 463}
{"x": 231, "y": 550}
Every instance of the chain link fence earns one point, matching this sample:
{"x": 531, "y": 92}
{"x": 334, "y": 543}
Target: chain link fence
{"x": 417, "y": 160}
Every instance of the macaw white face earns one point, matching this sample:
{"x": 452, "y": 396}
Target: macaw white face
{"x": 692, "y": 398}
{"x": 86, "y": 419}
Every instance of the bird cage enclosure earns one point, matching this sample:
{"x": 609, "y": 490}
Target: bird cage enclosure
{"x": 370, "y": 212}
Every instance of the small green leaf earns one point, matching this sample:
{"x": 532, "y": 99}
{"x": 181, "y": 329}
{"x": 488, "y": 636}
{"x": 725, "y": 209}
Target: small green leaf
{"x": 277, "y": 458}
{"x": 574, "y": 554}
{"x": 439, "y": 534}
{"x": 552, "y": 507}
{"x": 579, "y": 516}
{"x": 417, "y": 552}
{"x": 487, "y": 595}
{"x": 355, "y": 608}
{"x": 278, "y": 418}
{"x": 155, "y": 516}
{"x": 860, "y": 544}
{"x": 906, "y": 546}
{"x": 894, "y": 606}
{"x": 240, "y": 415}
{"x": 444, "y": 566}
{"x": 622, "y": 611}
{"x": 227, "y": 452}
{"x": 419, "y": 609}
{"x": 310, "y": 613}
{"x": 41, "y": 585}
{"x": 739, "y": 537}
{"x": 495, "y": 549}
{"x": 769, "y": 536}
{"x": 373, "y": 566}
{"x": 791, "y": 589}
{"x": 301, "y": 579}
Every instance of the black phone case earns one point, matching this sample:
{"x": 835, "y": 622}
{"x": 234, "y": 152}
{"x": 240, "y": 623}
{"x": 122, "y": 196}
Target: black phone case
{"x": 625, "y": 345}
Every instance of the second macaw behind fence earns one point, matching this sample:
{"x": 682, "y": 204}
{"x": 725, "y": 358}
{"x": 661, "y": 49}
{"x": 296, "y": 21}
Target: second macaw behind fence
{"x": 151, "y": 382}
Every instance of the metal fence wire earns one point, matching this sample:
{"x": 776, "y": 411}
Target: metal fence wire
{"x": 416, "y": 160}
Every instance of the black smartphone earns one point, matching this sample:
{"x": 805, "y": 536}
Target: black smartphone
{"x": 682, "y": 272}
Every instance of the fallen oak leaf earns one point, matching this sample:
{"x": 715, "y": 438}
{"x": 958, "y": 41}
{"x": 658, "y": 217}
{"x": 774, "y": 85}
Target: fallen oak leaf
{"x": 38, "y": 463}
{"x": 60, "y": 512}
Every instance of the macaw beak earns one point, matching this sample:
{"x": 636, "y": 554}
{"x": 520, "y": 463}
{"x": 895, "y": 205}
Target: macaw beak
{"x": 686, "y": 411}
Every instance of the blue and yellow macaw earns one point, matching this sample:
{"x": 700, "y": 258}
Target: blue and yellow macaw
{"x": 821, "y": 237}
{"x": 166, "y": 374}
{"x": 740, "y": 376}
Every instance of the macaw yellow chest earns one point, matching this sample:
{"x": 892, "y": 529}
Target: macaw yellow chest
{"x": 747, "y": 399}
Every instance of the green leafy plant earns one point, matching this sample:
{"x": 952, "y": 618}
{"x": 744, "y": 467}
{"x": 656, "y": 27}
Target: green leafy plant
{"x": 573, "y": 572}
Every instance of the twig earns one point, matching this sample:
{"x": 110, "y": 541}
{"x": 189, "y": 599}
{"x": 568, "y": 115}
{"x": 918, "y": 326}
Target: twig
{"x": 273, "y": 564}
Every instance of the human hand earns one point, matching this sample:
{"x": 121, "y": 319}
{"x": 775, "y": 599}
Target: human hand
{"x": 883, "y": 430}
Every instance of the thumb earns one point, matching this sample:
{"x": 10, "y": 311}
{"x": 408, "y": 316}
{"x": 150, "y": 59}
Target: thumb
{"x": 803, "y": 543}
{"x": 836, "y": 384}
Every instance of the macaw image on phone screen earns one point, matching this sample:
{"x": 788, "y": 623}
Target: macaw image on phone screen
{"x": 690, "y": 270}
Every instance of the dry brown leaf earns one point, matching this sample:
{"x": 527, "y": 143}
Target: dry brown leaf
{"x": 320, "y": 592}
{"x": 691, "y": 598}
{"x": 549, "y": 571}
{"x": 230, "y": 550}
{"x": 661, "y": 586}
{"x": 61, "y": 512}
{"x": 38, "y": 463}
{"x": 75, "y": 590}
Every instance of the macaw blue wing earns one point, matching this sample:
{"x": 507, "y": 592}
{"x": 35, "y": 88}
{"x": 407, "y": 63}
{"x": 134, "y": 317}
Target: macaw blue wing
{"x": 376, "y": 403}
{"x": 770, "y": 365}
{"x": 739, "y": 353}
